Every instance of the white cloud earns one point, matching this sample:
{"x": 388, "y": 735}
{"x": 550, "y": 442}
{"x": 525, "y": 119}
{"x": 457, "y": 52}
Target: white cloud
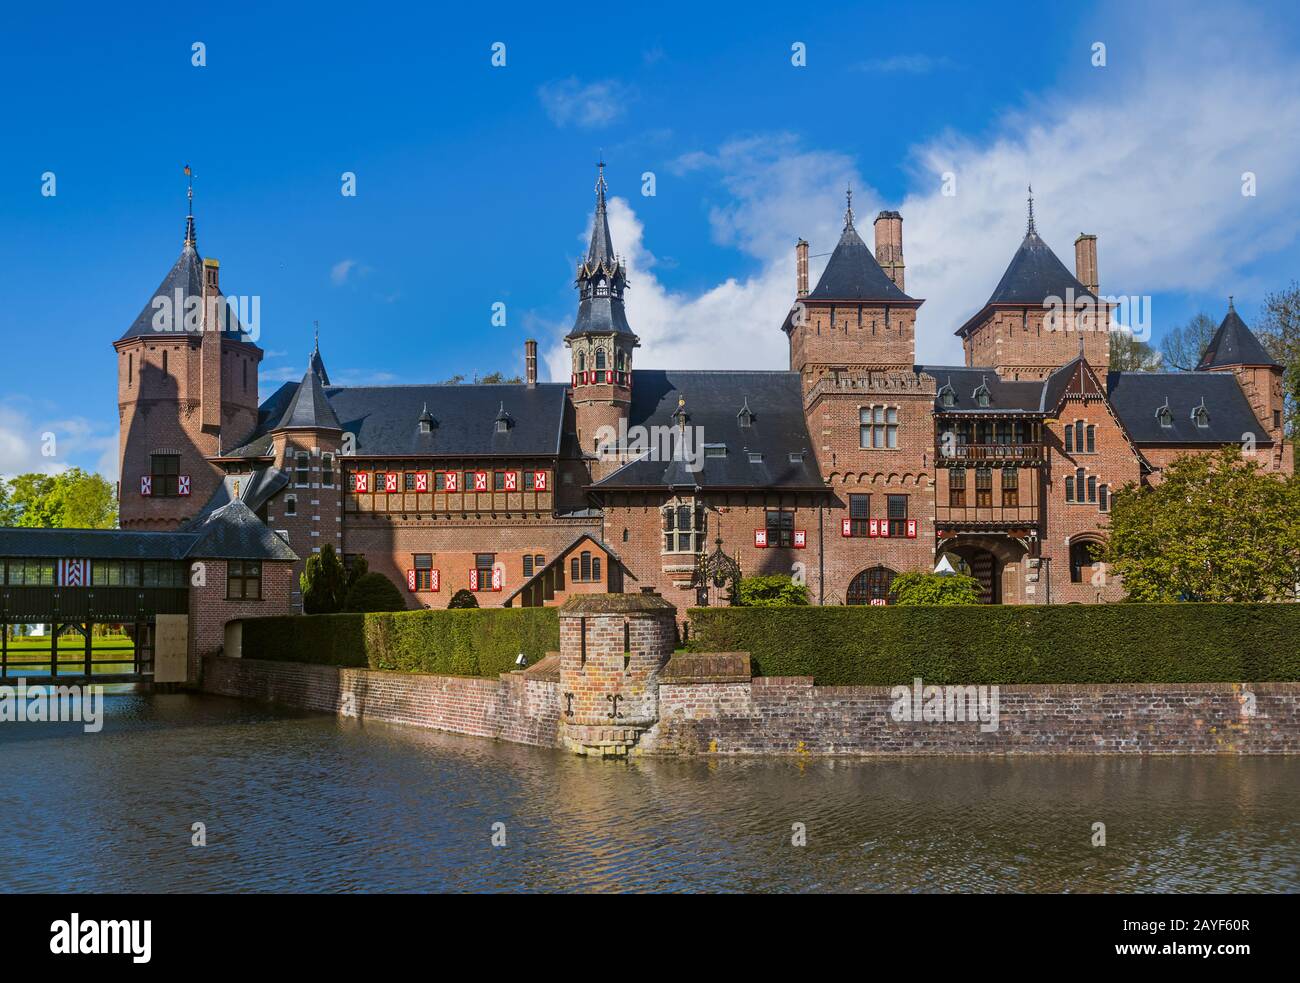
{"x": 339, "y": 271}
{"x": 570, "y": 103}
{"x": 76, "y": 441}
{"x": 1150, "y": 161}
{"x": 905, "y": 64}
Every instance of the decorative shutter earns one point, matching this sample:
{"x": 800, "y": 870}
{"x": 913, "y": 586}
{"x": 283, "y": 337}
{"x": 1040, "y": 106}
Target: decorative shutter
{"x": 873, "y": 527}
{"x": 512, "y": 481}
{"x": 846, "y": 527}
{"x": 183, "y": 484}
{"x": 422, "y": 481}
{"x": 410, "y": 580}
{"x": 390, "y": 481}
{"x": 473, "y": 579}
{"x": 498, "y": 578}
{"x": 435, "y": 581}
{"x": 760, "y": 538}
{"x": 480, "y": 481}
{"x": 453, "y": 481}
{"x": 539, "y": 480}
{"x": 146, "y": 485}
{"x": 884, "y": 528}
{"x": 911, "y": 528}
{"x": 800, "y": 539}
{"x": 609, "y": 376}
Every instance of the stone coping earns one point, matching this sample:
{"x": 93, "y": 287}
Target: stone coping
{"x": 707, "y": 667}
{"x": 615, "y": 604}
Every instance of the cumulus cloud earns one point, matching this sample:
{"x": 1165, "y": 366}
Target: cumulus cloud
{"x": 339, "y": 271}
{"x": 26, "y": 436}
{"x": 569, "y": 102}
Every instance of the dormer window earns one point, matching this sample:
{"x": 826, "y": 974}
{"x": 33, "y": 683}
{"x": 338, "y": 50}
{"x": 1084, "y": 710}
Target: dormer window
{"x": 1201, "y": 415}
{"x": 981, "y": 395}
{"x": 755, "y": 457}
{"x": 947, "y": 397}
{"x": 503, "y": 426}
{"x": 796, "y": 457}
{"x": 504, "y": 420}
{"x": 745, "y": 417}
{"x": 1165, "y": 415}
{"x": 715, "y": 450}
{"x": 426, "y": 420}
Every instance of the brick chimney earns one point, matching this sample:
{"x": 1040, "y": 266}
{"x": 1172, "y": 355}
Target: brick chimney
{"x": 889, "y": 245}
{"x": 801, "y": 268}
{"x": 1085, "y": 260}
{"x": 530, "y": 362}
{"x": 214, "y": 311}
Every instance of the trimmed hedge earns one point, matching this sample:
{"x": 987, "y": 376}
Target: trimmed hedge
{"x": 446, "y": 642}
{"x": 1007, "y": 644}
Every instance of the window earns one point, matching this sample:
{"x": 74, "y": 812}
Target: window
{"x": 1277, "y": 419}
{"x": 1081, "y": 558}
{"x": 780, "y": 528}
{"x": 1165, "y": 415}
{"x": 582, "y": 361}
{"x": 983, "y": 488}
{"x": 31, "y": 573}
{"x": 1201, "y": 415}
{"x": 498, "y": 481}
{"x": 684, "y": 528}
{"x": 715, "y": 450}
{"x": 745, "y": 418}
{"x": 878, "y": 427}
{"x": 947, "y": 397}
{"x": 1092, "y": 488}
{"x": 483, "y": 563}
{"x": 982, "y": 396}
{"x": 302, "y": 470}
{"x": 584, "y": 568}
{"x": 1092, "y": 439}
{"x": 957, "y": 488}
{"x": 164, "y": 367}
{"x": 796, "y": 457}
{"x": 600, "y": 359}
{"x": 897, "y": 505}
{"x": 1010, "y": 488}
{"x": 327, "y": 470}
{"x": 1103, "y": 498}
{"x": 290, "y": 505}
{"x": 859, "y": 514}
{"x": 164, "y": 470}
{"x": 243, "y": 580}
{"x": 1078, "y": 437}
{"x": 130, "y": 370}
{"x": 872, "y": 586}
{"x": 1078, "y": 484}
{"x": 1069, "y": 438}
{"x": 1069, "y": 488}
{"x": 755, "y": 457}
{"x": 533, "y": 563}
{"x": 408, "y": 481}
{"x": 423, "y": 571}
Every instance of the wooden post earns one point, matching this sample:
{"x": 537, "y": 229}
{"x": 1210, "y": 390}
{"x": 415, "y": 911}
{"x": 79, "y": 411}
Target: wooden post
{"x": 54, "y": 649}
{"x": 89, "y": 667}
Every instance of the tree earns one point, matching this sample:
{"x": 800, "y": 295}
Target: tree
{"x": 1216, "y": 528}
{"x": 491, "y": 379}
{"x": 924, "y": 587}
{"x": 324, "y": 582}
{"x": 1183, "y": 347}
{"x": 1279, "y": 332}
{"x": 463, "y": 599}
{"x": 1127, "y": 354}
{"x": 374, "y": 592}
{"x": 773, "y": 591}
{"x": 72, "y": 499}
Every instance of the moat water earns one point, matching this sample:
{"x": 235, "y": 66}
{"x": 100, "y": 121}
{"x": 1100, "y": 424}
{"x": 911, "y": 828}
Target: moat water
{"x": 301, "y": 802}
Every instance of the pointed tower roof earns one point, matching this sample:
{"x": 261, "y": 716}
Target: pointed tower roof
{"x": 1234, "y": 344}
{"x": 1035, "y": 273}
{"x": 309, "y": 409}
{"x": 317, "y": 364}
{"x": 852, "y": 272}
{"x": 601, "y": 278}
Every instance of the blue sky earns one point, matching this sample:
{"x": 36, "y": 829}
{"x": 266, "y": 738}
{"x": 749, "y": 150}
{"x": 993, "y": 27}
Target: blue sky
{"x": 474, "y": 182}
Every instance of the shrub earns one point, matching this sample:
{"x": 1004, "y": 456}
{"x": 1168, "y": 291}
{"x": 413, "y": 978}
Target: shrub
{"x": 1106, "y": 643}
{"x": 325, "y": 639}
{"x": 771, "y": 591}
{"x": 375, "y": 592}
{"x": 324, "y": 582}
{"x": 463, "y": 599}
{"x": 923, "y": 587}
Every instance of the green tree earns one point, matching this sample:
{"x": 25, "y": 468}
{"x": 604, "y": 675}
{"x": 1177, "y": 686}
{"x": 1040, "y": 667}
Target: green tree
{"x": 324, "y": 583}
{"x": 1182, "y": 347}
{"x": 72, "y": 499}
{"x": 1216, "y": 528}
{"x": 772, "y": 591}
{"x": 1279, "y": 332}
{"x": 924, "y": 587}
{"x": 1127, "y": 354}
{"x": 374, "y": 592}
{"x": 463, "y": 599}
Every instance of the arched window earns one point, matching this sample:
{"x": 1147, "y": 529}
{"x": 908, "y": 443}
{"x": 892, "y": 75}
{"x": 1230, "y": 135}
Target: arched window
{"x": 1078, "y": 437}
{"x": 164, "y": 361}
{"x": 1069, "y": 488}
{"x": 582, "y": 361}
{"x": 1092, "y": 488}
{"x": 1082, "y": 557}
{"x": 872, "y": 586}
{"x": 600, "y": 359}
{"x": 621, "y": 361}
{"x": 1103, "y": 498}
{"x": 1092, "y": 439}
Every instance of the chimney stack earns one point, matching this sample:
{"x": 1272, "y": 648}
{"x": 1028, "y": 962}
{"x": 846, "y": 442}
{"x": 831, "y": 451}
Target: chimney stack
{"x": 530, "y": 362}
{"x": 889, "y": 245}
{"x": 1085, "y": 261}
{"x": 213, "y": 311}
{"x": 801, "y": 268}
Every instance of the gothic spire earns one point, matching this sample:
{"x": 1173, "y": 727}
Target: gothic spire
{"x": 316, "y": 364}
{"x": 601, "y": 277}
{"x": 602, "y": 249}
{"x": 1030, "y": 230}
{"x": 191, "y": 241}
{"x": 848, "y": 210}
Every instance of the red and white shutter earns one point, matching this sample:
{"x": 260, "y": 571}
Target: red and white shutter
{"x": 146, "y": 484}
{"x": 873, "y": 527}
{"x": 480, "y": 481}
{"x": 453, "y": 481}
{"x": 884, "y": 528}
{"x": 361, "y": 481}
{"x": 390, "y": 481}
{"x": 410, "y": 580}
{"x": 846, "y": 527}
{"x": 422, "y": 481}
{"x": 760, "y": 538}
{"x": 183, "y": 484}
{"x": 800, "y": 539}
{"x": 911, "y": 528}
{"x": 498, "y": 578}
{"x": 473, "y": 579}
{"x": 539, "y": 481}
{"x": 434, "y": 581}
{"x": 74, "y": 573}
{"x": 512, "y": 481}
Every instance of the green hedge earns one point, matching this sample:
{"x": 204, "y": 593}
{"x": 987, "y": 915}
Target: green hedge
{"x": 1075, "y": 643}
{"x": 448, "y": 642}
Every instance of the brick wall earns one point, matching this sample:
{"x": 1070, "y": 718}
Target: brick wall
{"x": 209, "y": 609}
{"x": 523, "y": 708}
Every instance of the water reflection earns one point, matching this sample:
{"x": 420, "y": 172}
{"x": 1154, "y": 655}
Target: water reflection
{"x": 297, "y": 802}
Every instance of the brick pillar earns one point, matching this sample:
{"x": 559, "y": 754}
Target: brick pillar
{"x": 801, "y": 268}
{"x": 1085, "y": 261}
{"x": 612, "y": 649}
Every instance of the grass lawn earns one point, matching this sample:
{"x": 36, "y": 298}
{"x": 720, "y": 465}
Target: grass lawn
{"x": 112, "y": 653}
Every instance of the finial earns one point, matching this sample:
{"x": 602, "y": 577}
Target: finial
{"x": 1030, "y": 230}
{"x": 316, "y": 332}
{"x": 190, "y": 239}
{"x": 1230, "y": 307}
{"x": 848, "y": 212}
{"x": 600, "y": 178}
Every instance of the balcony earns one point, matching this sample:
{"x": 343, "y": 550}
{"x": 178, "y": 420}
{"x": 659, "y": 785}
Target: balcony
{"x": 1010, "y": 516}
{"x": 992, "y": 453}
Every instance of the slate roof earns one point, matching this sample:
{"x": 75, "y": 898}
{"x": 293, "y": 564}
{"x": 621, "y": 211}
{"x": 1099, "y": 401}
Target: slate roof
{"x": 1234, "y": 344}
{"x": 253, "y": 488}
{"x": 600, "y": 311}
{"x": 1136, "y": 396}
{"x": 309, "y": 409}
{"x": 713, "y": 402}
{"x": 385, "y": 419}
{"x": 853, "y": 274}
{"x": 1034, "y": 274}
{"x": 560, "y": 557}
{"x": 1004, "y": 395}
{"x": 229, "y": 533}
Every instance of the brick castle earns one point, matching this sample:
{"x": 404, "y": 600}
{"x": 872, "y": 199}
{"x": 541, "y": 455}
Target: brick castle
{"x": 851, "y": 466}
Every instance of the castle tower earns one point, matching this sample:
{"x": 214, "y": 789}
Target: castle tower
{"x": 601, "y": 341}
{"x": 187, "y": 386}
{"x": 1234, "y": 348}
{"x": 1031, "y": 324}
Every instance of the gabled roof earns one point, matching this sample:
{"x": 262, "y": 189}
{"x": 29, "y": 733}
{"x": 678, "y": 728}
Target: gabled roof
{"x": 852, "y": 273}
{"x": 712, "y": 403}
{"x": 1136, "y": 396}
{"x": 1075, "y": 376}
{"x": 1004, "y": 395}
{"x": 563, "y": 555}
{"x": 1234, "y": 344}
{"x": 234, "y": 532}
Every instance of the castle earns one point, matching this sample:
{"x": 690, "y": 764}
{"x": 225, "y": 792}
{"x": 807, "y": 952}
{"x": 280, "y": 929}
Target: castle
{"x": 851, "y": 466}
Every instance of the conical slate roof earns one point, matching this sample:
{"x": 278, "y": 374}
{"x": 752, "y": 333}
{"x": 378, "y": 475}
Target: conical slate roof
{"x": 309, "y": 409}
{"x": 1234, "y": 344}
{"x": 601, "y": 279}
{"x": 1034, "y": 274}
{"x": 853, "y": 273}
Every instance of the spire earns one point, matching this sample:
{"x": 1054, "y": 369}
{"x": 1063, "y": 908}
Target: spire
{"x": 1030, "y": 230}
{"x": 602, "y": 249}
{"x": 848, "y": 210}
{"x": 191, "y": 241}
{"x": 316, "y": 364}
{"x": 601, "y": 278}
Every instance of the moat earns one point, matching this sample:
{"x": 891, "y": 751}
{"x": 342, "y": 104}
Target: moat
{"x": 304, "y": 802}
